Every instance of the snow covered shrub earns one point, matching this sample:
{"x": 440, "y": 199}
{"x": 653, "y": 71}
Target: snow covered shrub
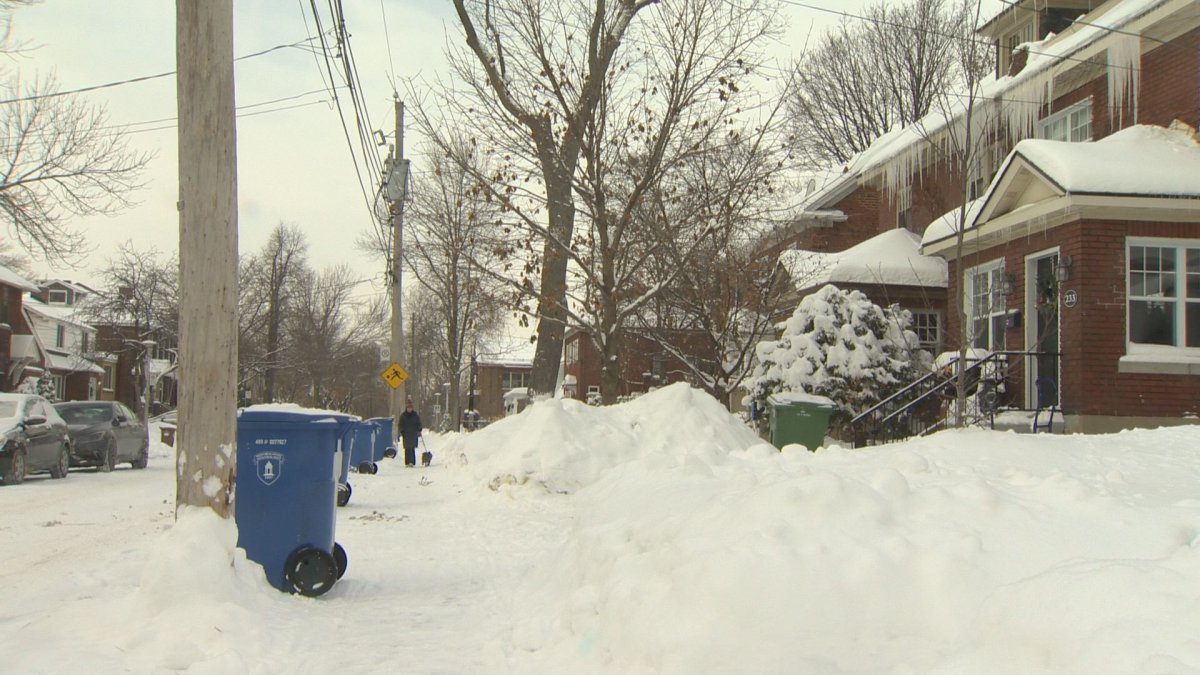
{"x": 841, "y": 345}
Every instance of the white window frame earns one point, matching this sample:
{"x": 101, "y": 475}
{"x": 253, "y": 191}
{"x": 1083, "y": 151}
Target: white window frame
{"x": 933, "y": 345}
{"x": 56, "y": 297}
{"x": 1174, "y": 282}
{"x": 997, "y": 308}
{"x": 572, "y": 353}
{"x": 1073, "y": 123}
{"x": 60, "y": 336}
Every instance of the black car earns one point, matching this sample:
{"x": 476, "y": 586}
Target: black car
{"x": 104, "y": 434}
{"x": 33, "y": 438}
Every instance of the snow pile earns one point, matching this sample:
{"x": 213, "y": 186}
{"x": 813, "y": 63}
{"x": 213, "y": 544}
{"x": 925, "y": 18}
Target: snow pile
{"x": 564, "y": 444}
{"x": 968, "y": 552}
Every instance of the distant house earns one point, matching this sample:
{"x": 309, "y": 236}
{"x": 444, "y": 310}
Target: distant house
{"x": 643, "y": 364}
{"x": 18, "y": 350}
{"x": 66, "y": 346}
{"x": 493, "y": 380}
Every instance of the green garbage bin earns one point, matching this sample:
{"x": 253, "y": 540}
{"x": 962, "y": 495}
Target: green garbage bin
{"x": 799, "y": 418}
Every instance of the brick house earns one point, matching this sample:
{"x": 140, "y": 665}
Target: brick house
{"x": 644, "y": 364}
{"x": 18, "y": 350}
{"x": 1078, "y": 249}
{"x": 494, "y": 379}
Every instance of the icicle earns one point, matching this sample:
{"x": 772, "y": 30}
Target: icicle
{"x": 1124, "y": 76}
{"x": 1023, "y": 104}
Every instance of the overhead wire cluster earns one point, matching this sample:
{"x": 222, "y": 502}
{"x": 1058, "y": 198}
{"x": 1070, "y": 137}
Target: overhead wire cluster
{"x": 337, "y": 67}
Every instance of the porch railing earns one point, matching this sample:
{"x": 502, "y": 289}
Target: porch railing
{"x": 928, "y": 404}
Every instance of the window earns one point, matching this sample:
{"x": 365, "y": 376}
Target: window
{"x": 60, "y": 336}
{"x": 1164, "y": 293}
{"x": 83, "y": 342}
{"x": 904, "y": 208}
{"x": 513, "y": 380}
{"x": 928, "y": 327}
{"x": 110, "y": 376}
{"x": 593, "y": 389}
{"x": 979, "y": 176}
{"x": 60, "y": 386}
{"x": 1073, "y": 124}
{"x": 571, "y": 355}
{"x": 985, "y": 305}
{"x": 56, "y": 298}
{"x": 658, "y": 366}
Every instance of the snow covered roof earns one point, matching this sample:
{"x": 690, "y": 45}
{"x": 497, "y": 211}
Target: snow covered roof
{"x": 11, "y": 278}
{"x": 946, "y": 224}
{"x": 892, "y": 258}
{"x": 1138, "y": 160}
{"x": 1013, "y": 103}
{"x": 64, "y": 313}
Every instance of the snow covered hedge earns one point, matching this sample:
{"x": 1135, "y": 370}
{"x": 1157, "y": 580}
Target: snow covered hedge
{"x": 841, "y": 345}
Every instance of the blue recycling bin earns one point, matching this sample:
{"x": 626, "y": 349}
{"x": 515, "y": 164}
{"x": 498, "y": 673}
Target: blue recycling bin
{"x": 287, "y": 465}
{"x": 362, "y": 453}
{"x": 384, "y": 445}
{"x": 345, "y": 443}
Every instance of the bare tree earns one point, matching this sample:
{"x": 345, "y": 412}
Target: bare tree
{"x": 863, "y": 78}
{"x": 719, "y": 295}
{"x": 534, "y": 74}
{"x": 60, "y": 158}
{"x": 452, "y": 253}
{"x": 680, "y": 102}
{"x": 958, "y": 134}
{"x": 328, "y": 355}
{"x": 270, "y": 278}
{"x": 142, "y": 291}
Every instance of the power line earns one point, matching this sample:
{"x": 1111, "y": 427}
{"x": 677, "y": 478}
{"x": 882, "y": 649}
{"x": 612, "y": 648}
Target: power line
{"x": 132, "y": 80}
{"x": 391, "y": 59}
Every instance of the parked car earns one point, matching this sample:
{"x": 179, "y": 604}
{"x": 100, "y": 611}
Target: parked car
{"x": 104, "y": 434}
{"x": 34, "y": 438}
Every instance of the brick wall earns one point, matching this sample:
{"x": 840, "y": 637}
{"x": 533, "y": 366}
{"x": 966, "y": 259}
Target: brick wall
{"x": 1093, "y": 331}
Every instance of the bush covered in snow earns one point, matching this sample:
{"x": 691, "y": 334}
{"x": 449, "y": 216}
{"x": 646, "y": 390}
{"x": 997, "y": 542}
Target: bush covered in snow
{"x": 841, "y": 345}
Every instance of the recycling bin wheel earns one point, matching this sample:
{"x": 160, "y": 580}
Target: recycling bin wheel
{"x": 374, "y": 467}
{"x": 390, "y": 453}
{"x": 343, "y": 494}
{"x": 365, "y": 467}
{"x": 310, "y": 571}
{"x": 339, "y": 558}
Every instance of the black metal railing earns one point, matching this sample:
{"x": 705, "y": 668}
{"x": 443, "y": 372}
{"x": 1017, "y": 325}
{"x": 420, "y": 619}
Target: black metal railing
{"x": 921, "y": 407}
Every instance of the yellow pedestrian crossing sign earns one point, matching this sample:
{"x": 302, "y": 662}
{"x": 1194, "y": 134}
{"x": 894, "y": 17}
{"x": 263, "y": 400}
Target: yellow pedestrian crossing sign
{"x": 394, "y": 375}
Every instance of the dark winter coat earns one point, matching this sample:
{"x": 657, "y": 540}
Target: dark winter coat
{"x": 410, "y": 428}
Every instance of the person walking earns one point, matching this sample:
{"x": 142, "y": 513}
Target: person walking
{"x": 410, "y": 432}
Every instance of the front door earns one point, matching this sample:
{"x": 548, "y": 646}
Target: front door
{"x": 1042, "y": 337}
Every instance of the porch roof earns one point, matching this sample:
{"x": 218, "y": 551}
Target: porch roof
{"x": 892, "y": 258}
{"x": 71, "y": 363}
{"x": 1141, "y": 167}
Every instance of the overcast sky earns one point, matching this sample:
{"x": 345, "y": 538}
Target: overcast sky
{"x": 293, "y": 160}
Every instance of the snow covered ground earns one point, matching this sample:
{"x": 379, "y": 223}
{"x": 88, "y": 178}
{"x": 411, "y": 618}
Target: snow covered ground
{"x": 657, "y": 536}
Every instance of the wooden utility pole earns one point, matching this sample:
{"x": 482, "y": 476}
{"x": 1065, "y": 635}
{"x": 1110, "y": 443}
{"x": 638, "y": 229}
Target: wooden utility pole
{"x": 207, "y": 439}
{"x": 397, "y": 191}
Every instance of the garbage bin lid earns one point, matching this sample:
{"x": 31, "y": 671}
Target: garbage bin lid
{"x": 292, "y": 413}
{"x": 782, "y": 398}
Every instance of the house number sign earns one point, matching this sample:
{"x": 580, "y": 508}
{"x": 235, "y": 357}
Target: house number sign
{"x": 1070, "y": 298}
